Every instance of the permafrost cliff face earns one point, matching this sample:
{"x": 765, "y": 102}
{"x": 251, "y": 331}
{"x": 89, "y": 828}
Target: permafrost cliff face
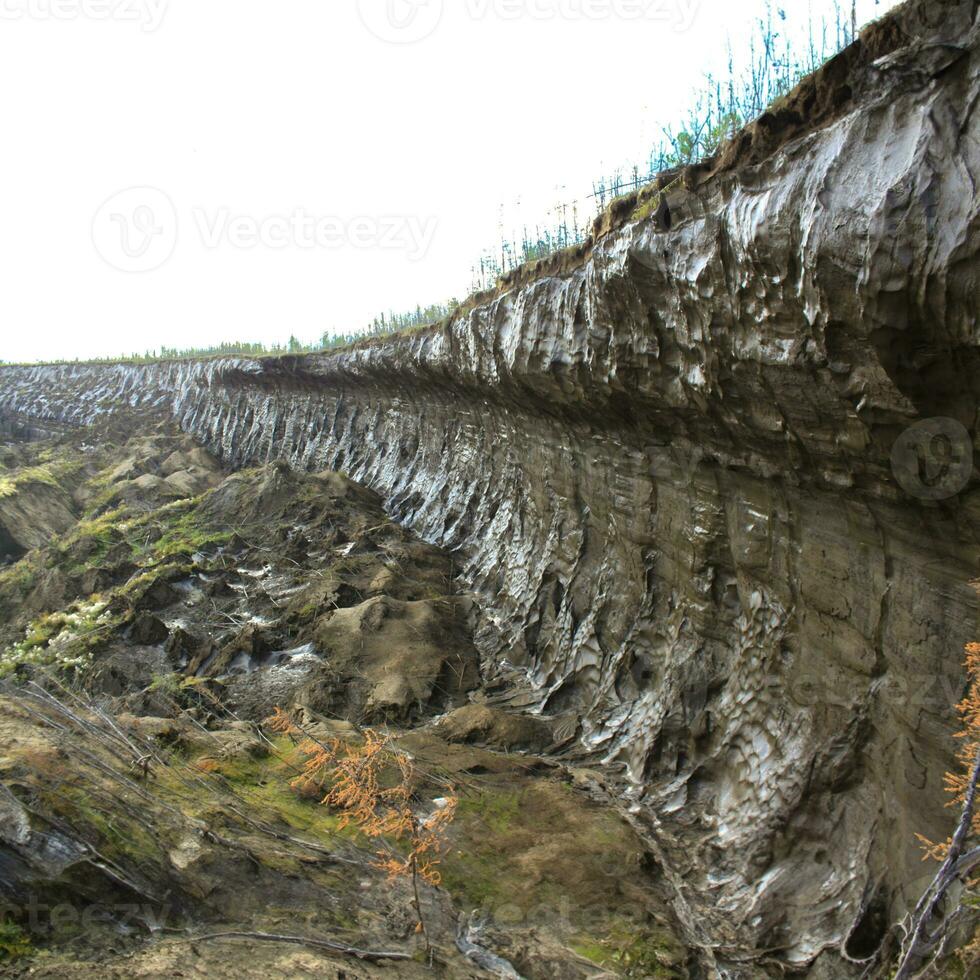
{"x": 669, "y": 472}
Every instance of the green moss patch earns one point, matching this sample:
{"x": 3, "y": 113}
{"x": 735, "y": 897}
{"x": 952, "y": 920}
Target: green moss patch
{"x": 14, "y": 943}
{"x": 632, "y": 953}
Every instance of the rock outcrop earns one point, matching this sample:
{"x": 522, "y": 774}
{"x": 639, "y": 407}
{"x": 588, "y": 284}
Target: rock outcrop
{"x": 712, "y": 483}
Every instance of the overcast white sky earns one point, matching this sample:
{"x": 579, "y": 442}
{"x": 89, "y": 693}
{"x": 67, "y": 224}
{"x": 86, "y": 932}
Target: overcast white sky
{"x": 302, "y": 165}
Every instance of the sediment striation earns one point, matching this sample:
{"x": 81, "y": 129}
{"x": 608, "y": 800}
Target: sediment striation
{"x": 712, "y": 485}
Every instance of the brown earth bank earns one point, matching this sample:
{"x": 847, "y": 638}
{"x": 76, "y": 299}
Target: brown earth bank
{"x": 708, "y": 492}
{"x": 145, "y": 806}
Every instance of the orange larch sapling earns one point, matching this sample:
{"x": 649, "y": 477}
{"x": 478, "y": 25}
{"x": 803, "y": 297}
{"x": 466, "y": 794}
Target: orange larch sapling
{"x": 371, "y": 788}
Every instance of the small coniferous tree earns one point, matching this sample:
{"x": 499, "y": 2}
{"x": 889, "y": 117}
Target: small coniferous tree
{"x": 371, "y": 787}
{"x": 933, "y": 925}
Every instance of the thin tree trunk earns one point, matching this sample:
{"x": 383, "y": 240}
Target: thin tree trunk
{"x": 418, "y": 904}
{"x": 921, "y": 942}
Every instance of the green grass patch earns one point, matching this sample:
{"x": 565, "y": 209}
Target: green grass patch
{"x": 53, "y": 468}
{"x": 18, "y": 579}
{"x": 632, "y": 953}
{"x": 117, "y": 835}
{"x": 264, "y": 787}
{"x": 14, "y": 943}
{"x": 187, "y": 540}
{"x": 477, "y": 864}
{"x": 63, "y": 640}
{"x": 87, "y": 543}
{"x": 10, "y": 484}
{"x": 496, "y": 810}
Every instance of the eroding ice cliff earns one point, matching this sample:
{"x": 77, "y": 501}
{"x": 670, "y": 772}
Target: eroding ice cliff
{"x": 667, "y": 465}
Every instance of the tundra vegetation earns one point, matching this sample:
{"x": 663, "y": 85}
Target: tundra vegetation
{"x": 145, "y": 647}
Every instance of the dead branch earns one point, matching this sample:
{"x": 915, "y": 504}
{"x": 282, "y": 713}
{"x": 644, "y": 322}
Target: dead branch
{"x": 327, "y": 944}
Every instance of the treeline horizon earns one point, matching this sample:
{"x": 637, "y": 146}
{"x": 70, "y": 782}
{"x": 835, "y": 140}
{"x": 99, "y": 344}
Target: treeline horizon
{"x": 774, "y": 67}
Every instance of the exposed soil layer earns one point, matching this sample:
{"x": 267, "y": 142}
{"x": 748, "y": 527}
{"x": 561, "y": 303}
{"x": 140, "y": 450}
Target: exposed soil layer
{"x": 711, "y": 485}
{"x": 144, "y": 806}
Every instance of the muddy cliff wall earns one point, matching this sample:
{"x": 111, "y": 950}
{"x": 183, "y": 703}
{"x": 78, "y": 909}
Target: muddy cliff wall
{"x": 713, "y": 485}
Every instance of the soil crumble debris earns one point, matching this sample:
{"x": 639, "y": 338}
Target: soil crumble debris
{"x": 155, "y": 610}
